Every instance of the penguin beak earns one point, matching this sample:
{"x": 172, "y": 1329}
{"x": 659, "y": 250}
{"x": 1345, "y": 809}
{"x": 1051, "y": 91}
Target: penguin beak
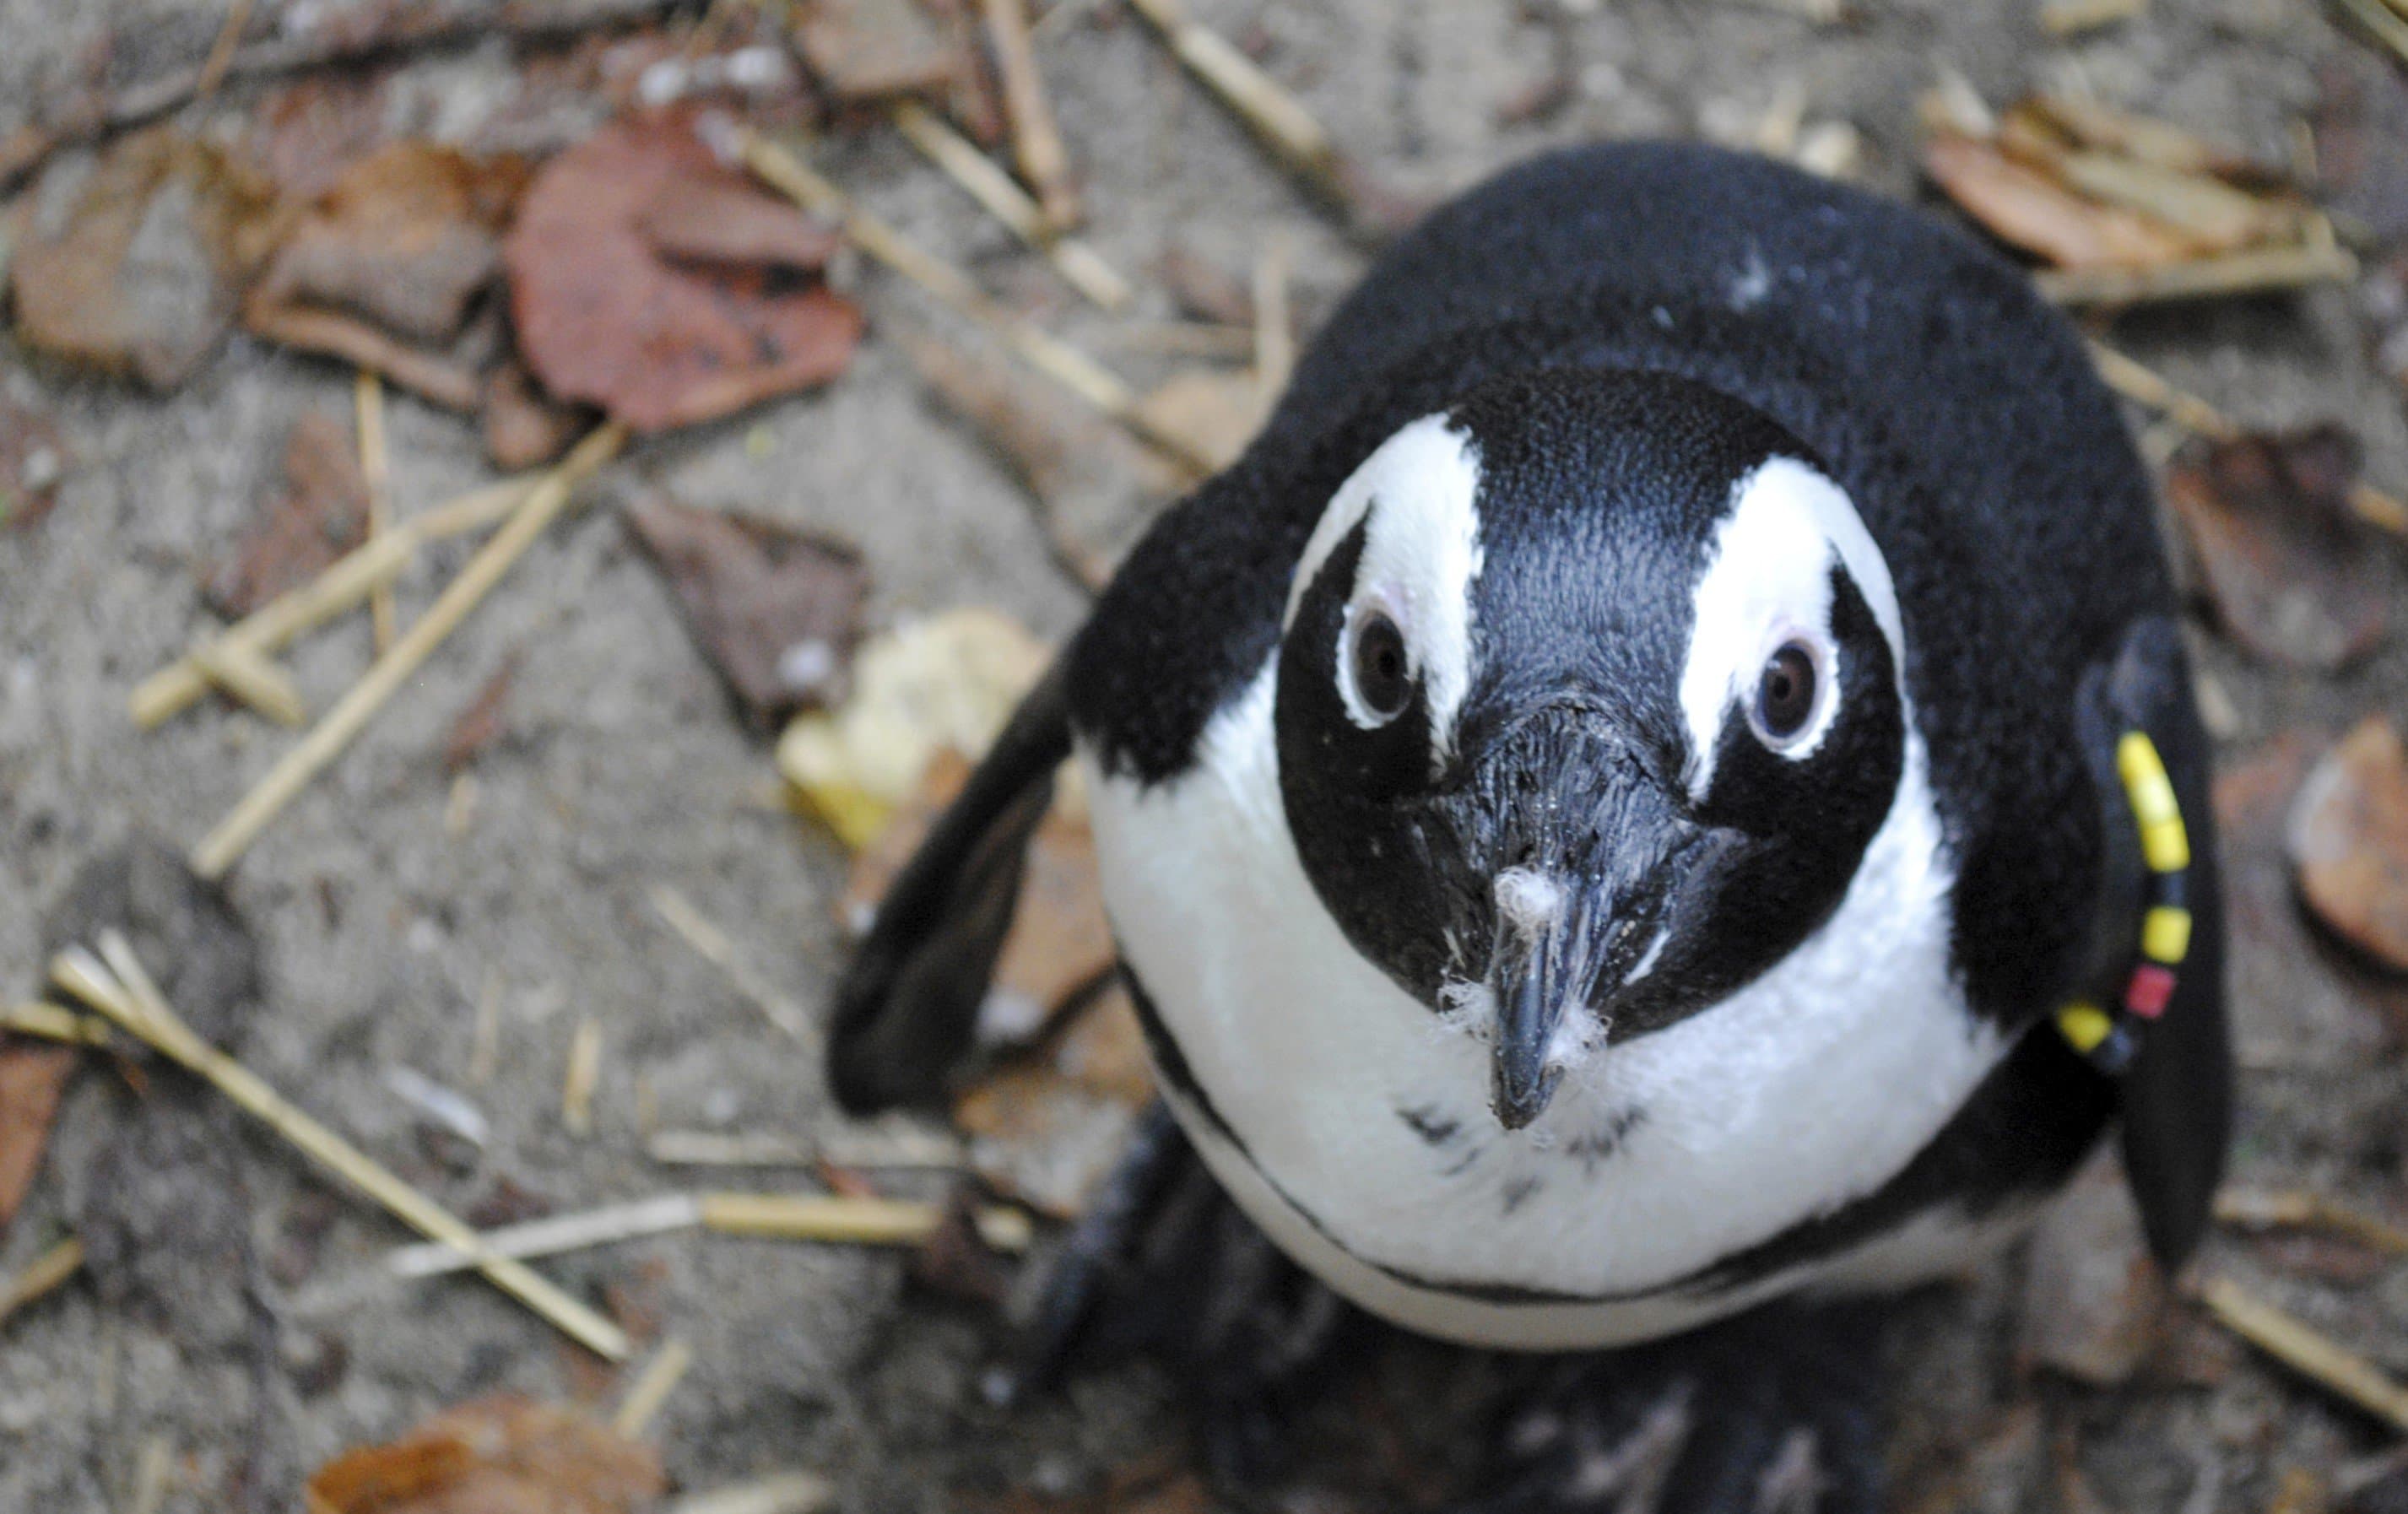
{"x": 1575, "y": 928}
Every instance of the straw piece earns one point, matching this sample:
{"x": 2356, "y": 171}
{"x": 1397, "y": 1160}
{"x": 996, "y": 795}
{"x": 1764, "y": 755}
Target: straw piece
{"x": 47, "y": 1271}
{"x": 125, "y": 993}
{"x": 2383, "y": 23}
{"x": 2306, "y": 1350}
{"x": 660, "y": 1379}
{"x": 2139, "y": 384}
{"x": 460, "y": 805}
{"x": 862, "y": 1221}
{"x": 1274, "y": 334}
{"x": 553, "y": 1234}
{"x": 2260, "y": 1209}
{"x": 1078, "y": 264}
{"x": 716, "y": 948}
{"x": 1036, "y": 141}
{"x": 213, "y": 68}
{"x": 1048, "y": 355}
{"x": 1275, "y": 117}
{"x": 584, "y": 1070}
{"x": 2071, "y": 18}
{"x": 1187, "y": 338}
{"x": 152, "y": 1471}
{"x": 376, "y": 470}
{"x": 2235, "y": 273}
{"x": 342, "y": 586}
{"x": 351, "y": 715}
{"x": 54, "y": 1022}
{"x": 786, "y": 1493}
{"x": 250, "y": 676}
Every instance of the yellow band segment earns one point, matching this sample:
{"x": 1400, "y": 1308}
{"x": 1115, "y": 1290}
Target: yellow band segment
{"x": 2165, "y": 934}
{"x": 2164, "y": 842}
{"x": 2084, "y": 1024}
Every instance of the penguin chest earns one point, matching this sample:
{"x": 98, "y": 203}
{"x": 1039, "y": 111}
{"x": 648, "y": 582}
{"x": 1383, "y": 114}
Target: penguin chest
{"x": 1351, "y": 1121}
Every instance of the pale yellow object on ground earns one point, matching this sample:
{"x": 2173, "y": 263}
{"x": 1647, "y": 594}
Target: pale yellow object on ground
{"x": 950, "y": 680}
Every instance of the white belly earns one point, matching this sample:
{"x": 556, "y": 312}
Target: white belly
{"x": 1369, "y": 1151}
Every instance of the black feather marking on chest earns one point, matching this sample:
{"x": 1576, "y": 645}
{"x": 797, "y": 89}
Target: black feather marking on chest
{"x": 1958, "y": 412}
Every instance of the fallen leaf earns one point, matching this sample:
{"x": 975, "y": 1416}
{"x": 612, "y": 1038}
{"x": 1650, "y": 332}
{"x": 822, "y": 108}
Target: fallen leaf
{"x": 134, "y": 270}
{"x": 2024, "y": 205}
{"x": 716, "y": 222}
{"x": 775, "y": 609}
{"x": 2294, "y": 575}
{"x": 351, "y": 340}
{"x": 603, "y": 318}
{"x": 30, "y": 1079}
{"x": 307, "y": 132}
{"x": 1060, "y": 943}
{"x": 1048, "y": 1129}
{"x": 873, "y": 49}
{"x": 1212, "y": 412}
{"x": 321, "y": 514}
{"x": 2094, "y": 1302}
{"x": 949, "y": 681}
{"x": 2349, "y": 837}
{"x": 524, "y": 426}
{"x": 404, "y": 239}
{"x": 499, "y": 1455}
{"x": 481, "y": 724}
{"x": 32, "y": 461}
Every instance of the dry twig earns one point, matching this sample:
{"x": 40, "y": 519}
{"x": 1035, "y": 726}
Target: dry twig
{"x": 213, "y": 68}
{"x": 2381, "y": 21}
{"x": 652, "y": 1389}
{"x": 786, "y": 1493}
{"x": 862, "y": 1221}
{"x": 54, "y": 1022}
{"x": 716, "y": 948}
{"x": 1078, "y": 264}
{"x": 376, "y": 471}
{"x": 2259, "y": 1208}
{"x": 289, "y": 776}
{"x": 2306, "y": 1350}
{"x": 46, "y": 1272}
{"x": 2071, "y": 18}
{"x": 2257, "y": 271}
{"x": 1047, "y": 353}
{"x": 606, "y": 1226}
{"x": 339, "y": 589}
{"x": 123, "y": 991}
{"x": 584, "y": 1071}
{"x": 248, "y": 676}
{"x": 1035, "y": 142}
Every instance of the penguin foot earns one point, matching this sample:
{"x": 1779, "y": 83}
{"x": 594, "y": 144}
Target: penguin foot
{"x": 1164, "y": 1261}
{"x": 1775, "y": 1412}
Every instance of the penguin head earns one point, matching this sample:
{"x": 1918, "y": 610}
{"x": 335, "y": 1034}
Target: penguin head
{"x": 1589, "y": 700}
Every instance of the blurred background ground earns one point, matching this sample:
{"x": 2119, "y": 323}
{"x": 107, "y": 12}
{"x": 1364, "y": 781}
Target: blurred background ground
{"x": 619, "y": 766}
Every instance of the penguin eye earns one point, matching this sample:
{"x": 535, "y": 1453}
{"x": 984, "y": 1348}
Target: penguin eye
{"x": 1382, "y": 671}
{"x": 1785, "y": 695}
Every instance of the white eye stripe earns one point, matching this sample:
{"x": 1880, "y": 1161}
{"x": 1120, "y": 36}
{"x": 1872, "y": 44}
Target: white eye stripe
{"x": 1416, "y": 499}
{"x": 1768, "y": 578}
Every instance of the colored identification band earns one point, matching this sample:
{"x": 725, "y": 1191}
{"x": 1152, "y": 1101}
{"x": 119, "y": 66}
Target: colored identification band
{"x": 2109, "y": 1040}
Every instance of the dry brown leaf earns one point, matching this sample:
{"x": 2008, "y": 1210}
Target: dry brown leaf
{"x": 2024, "y": 206}
{"x": 404, "y": 239}
{"x": 499, "y": 1455}
{"x": 2349, "y": 837}
{"x": 1059, "y": 943}
{"x": 481, "y": 724}
{"x": 1049, "y": 1128}
{"x": 321, "y": 514}
{"x": 717, "y": 221}
{"x": 777, "y": 609}
{"x": 30, "y": 1079}
{"x": 873, "y": 50}
{"x": 603, "y": 318}
{"x": 307, "y": 132}
{"x": 2294, "y": 575}
{"x": 134, "y": 270}
{"x": 32, "y": 461}
{"x": 525, "y": 427}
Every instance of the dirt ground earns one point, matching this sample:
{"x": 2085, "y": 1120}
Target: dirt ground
{"x": 622, "y": 770}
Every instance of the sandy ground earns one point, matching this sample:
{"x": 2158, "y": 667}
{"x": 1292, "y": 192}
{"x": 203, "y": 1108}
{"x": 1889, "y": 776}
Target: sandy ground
{"x": 624, "y": 769}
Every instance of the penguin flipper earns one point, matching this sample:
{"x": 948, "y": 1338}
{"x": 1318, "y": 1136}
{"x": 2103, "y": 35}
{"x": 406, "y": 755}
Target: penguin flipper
{"x": 2176, "y": 1097}
{"x": 908, "y": 1005}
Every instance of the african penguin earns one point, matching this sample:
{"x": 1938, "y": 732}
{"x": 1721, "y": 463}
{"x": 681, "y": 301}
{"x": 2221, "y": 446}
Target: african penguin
{"x": 1621, "y": 807}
